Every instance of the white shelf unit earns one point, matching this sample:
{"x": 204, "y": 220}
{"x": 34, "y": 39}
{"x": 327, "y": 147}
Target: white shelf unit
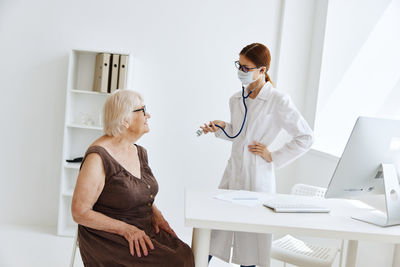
{"x": 82, "y": 125}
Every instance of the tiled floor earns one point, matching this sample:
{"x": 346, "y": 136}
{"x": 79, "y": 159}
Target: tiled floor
{"x": 33, "y": 246}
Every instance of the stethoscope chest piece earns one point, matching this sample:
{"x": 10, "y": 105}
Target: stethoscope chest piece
{"x": 200, "y": 132}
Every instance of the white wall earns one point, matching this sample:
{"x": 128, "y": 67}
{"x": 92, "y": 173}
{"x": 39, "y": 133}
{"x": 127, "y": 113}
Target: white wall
{"x": 360, "y": 58}
{"x": 183, "y": 55}
{"x": 300, "y": 53}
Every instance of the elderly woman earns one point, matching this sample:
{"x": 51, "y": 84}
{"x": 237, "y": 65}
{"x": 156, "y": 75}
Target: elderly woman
{"x": 113, "y": 199}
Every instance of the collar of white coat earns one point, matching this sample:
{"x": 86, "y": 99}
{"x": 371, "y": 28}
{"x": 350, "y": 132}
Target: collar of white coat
{"x": 262, "y": 95}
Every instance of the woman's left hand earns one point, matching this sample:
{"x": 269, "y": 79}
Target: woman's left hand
{"x": 261, "y": 150}
{"x": 160, "y": 223}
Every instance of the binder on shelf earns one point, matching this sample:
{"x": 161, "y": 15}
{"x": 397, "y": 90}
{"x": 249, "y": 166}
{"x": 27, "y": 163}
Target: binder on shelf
{"x": 114, "y": 73}
{"x": 101, "y": 73}
{"x": 123, "y": 68}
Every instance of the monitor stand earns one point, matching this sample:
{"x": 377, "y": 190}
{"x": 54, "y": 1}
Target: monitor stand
{"x": 392, "y": 199}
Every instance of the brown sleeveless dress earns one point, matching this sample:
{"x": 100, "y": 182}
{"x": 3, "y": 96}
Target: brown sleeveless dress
{"x": 129, "y": 199}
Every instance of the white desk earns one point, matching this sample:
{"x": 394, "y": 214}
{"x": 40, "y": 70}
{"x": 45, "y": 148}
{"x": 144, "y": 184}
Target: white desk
{"x": 203, "y": 212}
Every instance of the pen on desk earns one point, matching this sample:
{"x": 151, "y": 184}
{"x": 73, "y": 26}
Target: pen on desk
{"x": 245, "y": 198}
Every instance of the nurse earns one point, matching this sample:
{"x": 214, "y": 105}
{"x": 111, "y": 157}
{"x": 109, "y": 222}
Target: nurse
{"x": 252, "y": 165}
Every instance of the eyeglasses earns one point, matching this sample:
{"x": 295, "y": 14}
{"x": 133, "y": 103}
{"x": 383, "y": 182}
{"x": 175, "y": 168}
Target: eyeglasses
{"x": 243, "y": 68}
{"x": 141, "y": 109}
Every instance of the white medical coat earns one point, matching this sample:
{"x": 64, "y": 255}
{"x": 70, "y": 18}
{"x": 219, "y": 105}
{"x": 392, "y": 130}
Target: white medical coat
{"x": 269, "y": 113}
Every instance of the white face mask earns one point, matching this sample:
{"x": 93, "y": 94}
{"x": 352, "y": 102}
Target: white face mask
{"x": 246, "y": 77}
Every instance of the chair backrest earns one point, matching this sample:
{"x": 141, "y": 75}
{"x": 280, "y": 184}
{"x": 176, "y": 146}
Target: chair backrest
{"x": 308, "y": 190}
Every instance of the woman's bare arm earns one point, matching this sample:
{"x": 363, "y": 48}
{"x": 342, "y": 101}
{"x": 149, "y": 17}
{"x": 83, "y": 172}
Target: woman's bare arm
{"x": 89, "y": 185}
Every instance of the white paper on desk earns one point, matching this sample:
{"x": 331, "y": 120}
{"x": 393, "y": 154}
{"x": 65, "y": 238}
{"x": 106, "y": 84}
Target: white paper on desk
{"x": 242, "y": 197}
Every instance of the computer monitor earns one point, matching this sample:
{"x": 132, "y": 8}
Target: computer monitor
{"x": 370, "y": 164}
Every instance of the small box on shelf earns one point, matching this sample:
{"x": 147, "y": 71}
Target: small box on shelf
{"x": 68, "y": 193}
{"x": 71, "y": 165}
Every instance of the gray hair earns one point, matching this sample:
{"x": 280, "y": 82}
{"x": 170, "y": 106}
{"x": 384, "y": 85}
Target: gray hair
{"x": 118, "y": 109}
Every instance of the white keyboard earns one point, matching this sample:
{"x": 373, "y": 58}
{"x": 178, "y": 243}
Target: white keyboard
{"x": 282, "y": 206}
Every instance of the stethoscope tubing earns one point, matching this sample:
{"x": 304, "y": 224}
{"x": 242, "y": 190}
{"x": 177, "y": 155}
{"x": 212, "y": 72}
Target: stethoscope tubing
{"x": 245, "y": 115}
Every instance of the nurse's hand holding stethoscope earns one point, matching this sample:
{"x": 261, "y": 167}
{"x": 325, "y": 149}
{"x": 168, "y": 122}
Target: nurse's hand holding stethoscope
{"x": 261, "y": 150}
{"x": 211, "y": 128}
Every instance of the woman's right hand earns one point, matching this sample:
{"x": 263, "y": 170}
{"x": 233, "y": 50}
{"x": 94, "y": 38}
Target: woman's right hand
{"x": 136, "y": 239}
{"x": 211, "y": 128}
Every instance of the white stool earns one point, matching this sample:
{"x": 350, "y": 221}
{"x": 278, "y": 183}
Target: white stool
{"x": 71, "y": 264}
{"x": 308, "y": 190}
{"x": 294, "y": 251}
{"x": 297, "y": 252}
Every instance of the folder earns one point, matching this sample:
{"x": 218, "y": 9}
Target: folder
{"x": 101, "y": 73}
{"x": 114, "y": 73}
{"x": 123, "y": 70}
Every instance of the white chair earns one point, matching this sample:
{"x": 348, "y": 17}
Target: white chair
{"x": 308, "y": 190}
{"x": 297, "y": 252}
{"x": 71, "y": 264}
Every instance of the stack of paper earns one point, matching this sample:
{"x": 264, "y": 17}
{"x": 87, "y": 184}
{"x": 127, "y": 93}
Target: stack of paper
{"x": 242, "y": 197}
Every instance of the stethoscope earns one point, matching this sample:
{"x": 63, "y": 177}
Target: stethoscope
{"x": 200, "y": 132}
